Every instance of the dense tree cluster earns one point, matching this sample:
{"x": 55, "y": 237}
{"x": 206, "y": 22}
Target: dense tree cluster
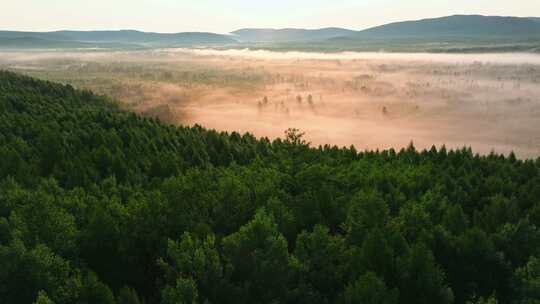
{"x": 98, "y": 205}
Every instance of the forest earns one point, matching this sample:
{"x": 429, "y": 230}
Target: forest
{"x": 101, "y": 205}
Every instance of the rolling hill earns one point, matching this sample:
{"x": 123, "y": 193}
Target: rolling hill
{"x": 130, "y": 36}
{"x": 289, "y": 34}
{"x": 40, "y": 43}
{"x": 34, "y": 42}
{"x": 111, "y": 39}
{"x": 457, "y": 26}
{"x": 41, "y": 35}
{"x": 459, "y": 33}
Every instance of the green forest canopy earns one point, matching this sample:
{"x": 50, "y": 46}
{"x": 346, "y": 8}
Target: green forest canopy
{"x": 98, "y": 205}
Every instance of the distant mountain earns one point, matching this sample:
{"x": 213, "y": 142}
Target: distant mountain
{"x": 131, "y": 36}
{"x": 39, "y": 43}
{"x": 288, "y": 34}
{"x": 459, "y": 33}
{"x": 457, "y": 26}
{"x": 116, "y": 37}
{"x": 33, "y": 42}
{"x": 40, "y": 35}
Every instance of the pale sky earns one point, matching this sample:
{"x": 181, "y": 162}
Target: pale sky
{"x": 227, "y": 15}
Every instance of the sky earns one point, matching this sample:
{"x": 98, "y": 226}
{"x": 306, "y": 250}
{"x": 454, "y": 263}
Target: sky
{"x": 224, "y": 16}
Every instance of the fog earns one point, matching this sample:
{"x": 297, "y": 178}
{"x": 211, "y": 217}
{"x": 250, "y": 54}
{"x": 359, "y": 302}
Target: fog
{"x": 502, "y": 58}
{"x": 490, "y": 102}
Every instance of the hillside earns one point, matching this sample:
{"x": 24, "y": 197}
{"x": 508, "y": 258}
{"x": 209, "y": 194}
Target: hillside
{"x": 118, "y": 38}
{"x": 41, "y": 35}
{"x": 33, "y": 42}
{"x": 98, "y": 205}
{"x": 458, "y": 33}
{"x": 39, "y": 43}
{"x": 288, "y": 35}
{"x": 130, "y": 36}
{"x": 454, "y": 27}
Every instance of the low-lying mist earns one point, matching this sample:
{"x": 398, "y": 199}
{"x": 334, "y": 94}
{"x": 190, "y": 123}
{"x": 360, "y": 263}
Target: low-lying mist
{"x": 501, "y": 58}
{"x": 370, "y": 100}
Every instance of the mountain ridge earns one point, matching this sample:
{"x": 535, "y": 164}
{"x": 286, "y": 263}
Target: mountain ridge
{"x": 124, "y": 36}
{"x": 487, "y": 30}
{"x": 289, "y": 34}
{"x": 455, "y": 25}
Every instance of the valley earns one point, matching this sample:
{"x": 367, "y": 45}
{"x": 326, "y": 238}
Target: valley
{"x": 370, "y": 100}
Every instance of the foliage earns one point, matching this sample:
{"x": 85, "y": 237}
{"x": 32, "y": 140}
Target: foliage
{"x": 98, "y": 205}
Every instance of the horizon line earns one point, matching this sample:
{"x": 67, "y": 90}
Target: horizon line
{"x": 255, "y": 28}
